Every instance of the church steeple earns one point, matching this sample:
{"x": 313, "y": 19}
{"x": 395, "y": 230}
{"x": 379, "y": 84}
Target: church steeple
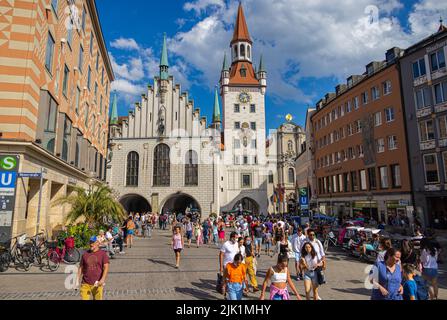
{"x": 216, "y": 112}
{"x": 240, "y": 29}
{"x": 114, "y": 115}
{"x": 164, "y": 65}
{"x": 241, "y": 43}
{"x": 225, "y": 66}
{"x": 242, "y": 71}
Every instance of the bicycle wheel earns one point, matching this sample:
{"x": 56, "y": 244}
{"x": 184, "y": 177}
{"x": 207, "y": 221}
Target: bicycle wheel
{"x": 53, "y": 261}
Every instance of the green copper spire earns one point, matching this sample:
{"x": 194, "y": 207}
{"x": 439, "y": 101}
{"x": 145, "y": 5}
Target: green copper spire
{"x": 261, "y": 64}
{"x": 216, "y": 112}
{"x": 164, "y": 65}
{"x": 114, "y": 116}
{"x": 225, "y": 66}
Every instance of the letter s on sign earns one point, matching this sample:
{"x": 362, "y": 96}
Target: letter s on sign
{"x": 8, "y": 163}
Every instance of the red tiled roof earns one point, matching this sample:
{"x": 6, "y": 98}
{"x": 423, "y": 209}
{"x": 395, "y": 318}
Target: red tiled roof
{"x": 235, "y": 74}
{"x": 240, "y": 29}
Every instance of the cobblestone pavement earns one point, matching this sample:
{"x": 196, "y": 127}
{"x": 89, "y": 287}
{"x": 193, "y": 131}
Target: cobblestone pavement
{"x": 146, "y": 272}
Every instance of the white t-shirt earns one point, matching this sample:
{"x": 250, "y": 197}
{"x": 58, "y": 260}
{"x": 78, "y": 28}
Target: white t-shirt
{"x": 428, "y": 261}
{"x": 298, "y": 242}
{"x": 311, "y": 262}
{"x": 281, "y": 224}
{"x": 230, "y": 250}
{"x": 318, "y": 247}
{"x": 109, "y": 236}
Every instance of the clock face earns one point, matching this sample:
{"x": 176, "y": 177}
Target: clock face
{"x": 244, "y": 97}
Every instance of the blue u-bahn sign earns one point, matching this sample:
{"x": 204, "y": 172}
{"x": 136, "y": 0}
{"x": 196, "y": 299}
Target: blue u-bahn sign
{"x": 303, "y": 198}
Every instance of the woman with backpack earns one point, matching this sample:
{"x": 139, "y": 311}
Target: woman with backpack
{"x": 429, "y": 260}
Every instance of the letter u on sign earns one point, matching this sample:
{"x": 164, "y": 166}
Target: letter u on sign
{"x": 7, "y": 179}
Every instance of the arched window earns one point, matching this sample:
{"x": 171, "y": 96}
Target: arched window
{"x": 270, "y": 177}
{"x": 242, "y": 50}
{"x": 162, "y": 166}
{"x": 235, "y": 51}
{"x": 249, "y": 52}
{"x": 133, "y": 161}
{"x": 191, "y": 169}
{"x": 50, "y": 145}
{"x": 64, "y": 150}
{"x": 291, "y": 175}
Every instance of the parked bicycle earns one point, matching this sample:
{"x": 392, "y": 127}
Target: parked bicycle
{"x": 15, "y": 253}
{"x": 329, "y": 240}
{"x": 68, "y": 254}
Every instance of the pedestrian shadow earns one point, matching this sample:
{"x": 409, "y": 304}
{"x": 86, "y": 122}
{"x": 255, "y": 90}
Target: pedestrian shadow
{"x": 358, "y": 291}
{"x": 161, "y": 262}
{"x": 205, "y": 284}
{"x": 196, "y": 293}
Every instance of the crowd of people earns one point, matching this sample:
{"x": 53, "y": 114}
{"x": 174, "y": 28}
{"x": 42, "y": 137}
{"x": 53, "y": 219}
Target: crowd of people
{"x": 406, "y": 273}
{"x": 238, "y": 264}
{"x": 409, "y": 272}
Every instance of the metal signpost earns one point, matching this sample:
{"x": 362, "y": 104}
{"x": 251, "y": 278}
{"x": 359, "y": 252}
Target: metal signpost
{"x": 9, "y": 166}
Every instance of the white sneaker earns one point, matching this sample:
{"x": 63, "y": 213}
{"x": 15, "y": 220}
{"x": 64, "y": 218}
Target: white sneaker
{"x": 122, "y": 252}
{"x": 319, "y": 298}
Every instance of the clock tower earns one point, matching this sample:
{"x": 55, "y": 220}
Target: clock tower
{"x": 243, "y": 99}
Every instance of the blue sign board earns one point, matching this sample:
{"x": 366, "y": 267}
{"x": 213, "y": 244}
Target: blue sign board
{"x": 304, "y": 198}
{"x": 8, "y": 180}
{"x": 30, "y": 175}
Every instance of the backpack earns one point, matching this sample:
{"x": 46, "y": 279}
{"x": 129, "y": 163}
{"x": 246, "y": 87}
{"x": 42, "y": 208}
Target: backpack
{"x": 422, "y": 288}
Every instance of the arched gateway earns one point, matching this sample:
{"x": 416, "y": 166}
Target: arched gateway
{"x": 179, "y": 202}
{"x": 135, "y": 203}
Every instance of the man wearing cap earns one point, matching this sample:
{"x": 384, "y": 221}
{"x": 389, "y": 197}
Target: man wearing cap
{"x": 93, "y": 268}
{"x": 227, "y": 252}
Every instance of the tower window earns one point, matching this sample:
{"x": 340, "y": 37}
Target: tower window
{"x": 235, "y": 51}
{"x": 249, "y": 52}
{"x": 243, "y": 71}
{"x": 242, "y": 50}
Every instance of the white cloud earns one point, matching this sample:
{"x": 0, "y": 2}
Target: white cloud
{"x": 125, "y": 86}
{"x": 133, "y": 70}
{"x": 318, "y": 38}
{"x": 202, "y": 5}
{"x": 125, "y": 44}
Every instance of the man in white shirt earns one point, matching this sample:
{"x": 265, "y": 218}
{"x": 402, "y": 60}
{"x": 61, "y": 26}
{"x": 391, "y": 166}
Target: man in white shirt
{"x": 109, "y": 241}
{"x": 298, "y": 241}
{"x": 227, "y": 252}
{"x": 318, "y": 246}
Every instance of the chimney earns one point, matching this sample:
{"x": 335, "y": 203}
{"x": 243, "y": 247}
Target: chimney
{"x": 393, "y": 54}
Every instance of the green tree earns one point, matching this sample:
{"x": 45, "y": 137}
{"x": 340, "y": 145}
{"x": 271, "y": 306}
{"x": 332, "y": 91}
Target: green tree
{"x": 97, "y": 206}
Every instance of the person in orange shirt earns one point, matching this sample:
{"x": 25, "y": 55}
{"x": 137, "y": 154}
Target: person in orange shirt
{"x": 235, "y": 275}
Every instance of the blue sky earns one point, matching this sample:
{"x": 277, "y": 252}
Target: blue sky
{"x": 309, "y": 46}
